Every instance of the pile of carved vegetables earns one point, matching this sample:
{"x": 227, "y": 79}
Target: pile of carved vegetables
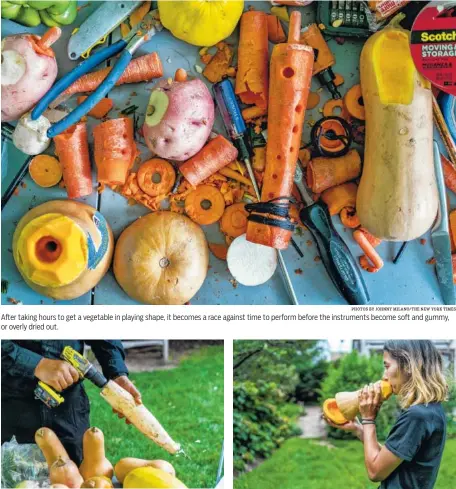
{"x": 96, "y": 471}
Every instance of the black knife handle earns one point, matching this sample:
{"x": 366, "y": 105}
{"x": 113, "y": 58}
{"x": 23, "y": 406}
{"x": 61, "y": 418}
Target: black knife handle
{"x": 336, "y": 257}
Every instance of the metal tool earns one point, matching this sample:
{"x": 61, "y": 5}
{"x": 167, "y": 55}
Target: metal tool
{"x": 440, "y": 238}
{"x": 226, "y": 101}
{"x": 149, "y": 26}
{"x": 85, "y": 369}
{"x": 335, "y": 254}
{"x": 95, "y": 29}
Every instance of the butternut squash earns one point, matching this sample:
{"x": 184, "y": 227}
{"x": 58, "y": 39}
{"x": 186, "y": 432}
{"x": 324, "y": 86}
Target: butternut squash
{"x": 94, "y": 463}
{"x": 97, "y": 482}
{"x": 144, "y": 477}
{"x": 397, "y": 196}
{"x": 126, "y": 465}
{"x": 50, "y": 445}
{"x": 65, "y": 471}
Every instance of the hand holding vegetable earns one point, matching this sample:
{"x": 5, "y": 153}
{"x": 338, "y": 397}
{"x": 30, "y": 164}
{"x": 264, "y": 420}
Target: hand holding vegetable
{"x": 128, "y": 385}
{"x": 370, "y": 400}
{"x": 56, "y": 373}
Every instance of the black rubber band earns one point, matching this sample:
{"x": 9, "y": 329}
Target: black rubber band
{"x": 274, "y": 207}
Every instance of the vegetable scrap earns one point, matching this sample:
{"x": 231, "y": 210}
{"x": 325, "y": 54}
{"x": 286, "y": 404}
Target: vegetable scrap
{"x": 220, "y": 63}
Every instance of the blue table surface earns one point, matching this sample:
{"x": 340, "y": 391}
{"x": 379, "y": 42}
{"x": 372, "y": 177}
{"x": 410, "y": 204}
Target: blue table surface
{"x": 411, "y": 281}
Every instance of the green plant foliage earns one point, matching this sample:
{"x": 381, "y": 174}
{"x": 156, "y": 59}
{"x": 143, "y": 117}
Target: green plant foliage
{"x": 311, "y": 375}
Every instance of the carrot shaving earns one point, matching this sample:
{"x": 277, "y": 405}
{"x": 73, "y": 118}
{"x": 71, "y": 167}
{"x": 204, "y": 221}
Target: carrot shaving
{"x": 452, "y": 223}
{"x": 101, "y": 109}
{"x": 349, "y": 218}
{"x": 138, "y": 15}
{"x": 124, "y": 29}
{"x": 205, "y": 205}
{"x": 275, "y": 30}
{"x": 336, "y": 198}
{"x": 234, "y": 220}
{"x": 219, "y": 250}
{"x": 259, "y": 158}
{"x": 235, "y": 176}
{"x": 370, "y": 237}
{"x": 313, "y": 100}
{"x": 304, "y": 156}
{"x": 216, "y": 69}
{"x": 376, "y": 263}
{"x": 156, "y": 177}
{"x": 453, "y": 261}
{"x": 449, "y": 174}
{"x": 45, "y": 170}
{"x": 251, "y": 113}
{"x": 338, "y": 80}
{"x": 334, "y": 108}
{"x": 353, "y": 103}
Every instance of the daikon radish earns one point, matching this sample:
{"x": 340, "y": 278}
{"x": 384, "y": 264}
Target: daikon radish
{"x": 139, "y": 416}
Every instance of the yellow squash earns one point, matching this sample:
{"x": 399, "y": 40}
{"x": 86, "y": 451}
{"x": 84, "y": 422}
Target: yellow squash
{"x": 201, "y": 22}
{"x": 144, "y": 477}
{"x": 397, "y": 196}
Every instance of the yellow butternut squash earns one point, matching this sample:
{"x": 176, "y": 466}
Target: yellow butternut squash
{"x": 94, "y": 463}
{"x": 126, "y": 465}
{"x": 144, "y": 477}
{"x": 397, "y": 196}
{"x": 50, "y": 445}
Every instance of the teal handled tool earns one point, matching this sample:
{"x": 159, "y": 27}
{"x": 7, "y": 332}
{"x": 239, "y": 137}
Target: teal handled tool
{"x": 148, "y": 27}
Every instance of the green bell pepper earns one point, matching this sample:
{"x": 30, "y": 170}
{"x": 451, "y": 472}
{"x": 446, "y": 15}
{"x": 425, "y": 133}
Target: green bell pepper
{"x": 40, "y": 4}
{"x": 58, "y": 7}
{"x": 28, "y": 16}
{"x": 46, "y": 19}
{"x": 10, "y": 10}
{"x": 68, "y": 16}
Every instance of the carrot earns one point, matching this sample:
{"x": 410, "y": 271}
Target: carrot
{"x": 138, "y": 15}
{"x": 251, "y": 113}
{"x": 72, "y": 149}
{"x": 313, "y": 100}
{"x": 180, "y": 75}
{"x": 131, "y": 191}
{"x": 252, "y": 74}
{"x": 336, "y": 198}
{"x": 42, "y": 45}
{"x": 259, "y": 158}
{"x": 217, "y": 67}
{"x": 101, "y": 109}
{"x": 205, "y": 205}
{"x": 353, "y": 103}
{"x": 349, "y": 218}
{"x": 453, "y": 227}
{"x": 144, "y": 68}
{"x": 370, "y": 237}
{"x": 124, "y": 29}
{"x": 338, "y": 80}
{"x": 275, "y": 31}
{"x": 453, "y": 261}
{"x": 304, "y": 156}
{"x": 217, "y": 153}
{"x": 115, "y": 150}
{"x": 156, "y": 177}
{"x": 329, "y": 109}
{"x": 324, "y": 172}
{"x": 370, "y": 253}
{"x": 234, "y": 220}
{"x": 449, "y": 173}
{"x": 290, "y": 78}
{"x": 45, "y": 170}
{"x": 236, "y": 176}
{"x": 219, "y": 250}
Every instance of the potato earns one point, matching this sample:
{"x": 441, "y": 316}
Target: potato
{"x": 26, "y": 76}
{"x": 179, "y": 119}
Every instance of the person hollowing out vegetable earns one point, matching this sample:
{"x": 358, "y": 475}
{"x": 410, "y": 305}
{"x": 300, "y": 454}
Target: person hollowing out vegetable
{"x": 24, "y": 363}
{"x": 411, "y": 455}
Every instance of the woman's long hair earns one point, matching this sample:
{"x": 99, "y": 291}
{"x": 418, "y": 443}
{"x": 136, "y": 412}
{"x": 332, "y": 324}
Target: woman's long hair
{"x": 421, "y": 363}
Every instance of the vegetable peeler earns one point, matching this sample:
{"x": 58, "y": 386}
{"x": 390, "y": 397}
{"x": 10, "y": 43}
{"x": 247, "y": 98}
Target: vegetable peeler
{"x": 335, "y": 254}
{"x": 149, "y": 26}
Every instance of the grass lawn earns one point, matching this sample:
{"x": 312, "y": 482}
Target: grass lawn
{"x": 303, "y": 464}
{"x": 188, "y": 402}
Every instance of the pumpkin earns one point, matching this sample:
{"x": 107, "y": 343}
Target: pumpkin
{"x": 144, "y": 477}
{"x": 63, "y": 248}
{"x": 162, "y": 258}
{"x": 397, "y": 197}
{"x": 103, "y": 482}
{"x": 94, "y": 463}
{"x": 126, "y": 465}
{"x": 332, "y": 412}
{"x": 199, "y": 22}
{"x": 65, "y": 471}
{"x": 50, "y": 445}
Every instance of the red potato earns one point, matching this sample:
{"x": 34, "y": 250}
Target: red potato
{"x": 179, "y": 119}
{"x": 26, "y": 75}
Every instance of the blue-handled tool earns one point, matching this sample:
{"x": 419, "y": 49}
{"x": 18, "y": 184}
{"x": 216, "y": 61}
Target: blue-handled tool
{"x": 149, "y": 26}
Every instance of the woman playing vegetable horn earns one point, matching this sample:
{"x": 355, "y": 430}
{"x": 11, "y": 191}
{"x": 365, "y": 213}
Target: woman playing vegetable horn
{"x": 410, "y": 458}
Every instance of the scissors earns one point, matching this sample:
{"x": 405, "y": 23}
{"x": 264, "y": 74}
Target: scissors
{"x": 142, "y": 33}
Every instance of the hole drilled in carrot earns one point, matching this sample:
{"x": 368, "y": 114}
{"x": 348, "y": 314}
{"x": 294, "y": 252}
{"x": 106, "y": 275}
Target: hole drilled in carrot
{"x": 295, "y": 129}
{"x": 206, "y": 204}
{"x": 288, "y": 72}
{"x": 156, "y": 177}
{"x": 298, "y": 108}
{"x": 279, "y": 157}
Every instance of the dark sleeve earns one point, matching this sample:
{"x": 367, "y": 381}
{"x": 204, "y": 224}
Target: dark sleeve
{"x": 111, "y": 355}
{"x": 407, "y": 435}
{"x": 19, "y": 361}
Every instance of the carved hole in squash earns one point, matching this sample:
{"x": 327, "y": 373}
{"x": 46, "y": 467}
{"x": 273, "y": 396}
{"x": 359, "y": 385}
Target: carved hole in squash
{"x": 47, "y": 249}
{"x": 288, "y": 72}
{"x": 164, "y": 262}
{"x": 156, "y": 177}
{"x": 206, "y": 204}
{"x": 361, "y": 101}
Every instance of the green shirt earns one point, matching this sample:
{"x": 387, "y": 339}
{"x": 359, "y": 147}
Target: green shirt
{"x": 418, "y": 438}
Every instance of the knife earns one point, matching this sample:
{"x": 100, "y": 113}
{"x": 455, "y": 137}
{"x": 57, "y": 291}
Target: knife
{"x": 97, "y": 26}
{"x": 440, "y": 238}
{"x": 334, "y": 253}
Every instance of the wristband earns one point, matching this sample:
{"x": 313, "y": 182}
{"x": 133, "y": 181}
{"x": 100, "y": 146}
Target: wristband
{"x": 368, "y": 421}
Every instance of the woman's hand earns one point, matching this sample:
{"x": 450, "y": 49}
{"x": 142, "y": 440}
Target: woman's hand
{"x": 370, "y": 400}
{"x": 353, "y": 426}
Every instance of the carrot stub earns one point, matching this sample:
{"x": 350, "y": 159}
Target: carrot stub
{"x": 72, "y": 149}
{"x": 376, "y": 263}
{"x": 217, "y": 153}
{"x": 205, "y": 205}
{"x": 144, "y": 68}
{"x": 234, "y": 220}
{"x": 45, "y": 170}
{"x": 336, "y": 198}
{"x": 253, "y": 54}
{"x": 42, "y": 45}
{"x": 219, "y": 250}
{"x": 101, "y": 109}
{"x": 275, "y": 30}
{"x": 180, "y": 75}
{"x": 115, "y": 150}
{"x": 156, "y": 177}
{"x": 290, "y": 78}
{"x": 324, "y": 172}
{"x": 354, "y": 104}
{"x": 349, "y": 218}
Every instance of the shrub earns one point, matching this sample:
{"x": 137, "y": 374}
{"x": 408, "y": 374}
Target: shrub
{"x": 263, "y": 420}
{"x": 311, "y": 375}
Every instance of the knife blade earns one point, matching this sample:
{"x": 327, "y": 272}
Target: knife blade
{"x": 440, "y": 238}
{"x": 335, "y": 254}
{"x": 98, "y": 25}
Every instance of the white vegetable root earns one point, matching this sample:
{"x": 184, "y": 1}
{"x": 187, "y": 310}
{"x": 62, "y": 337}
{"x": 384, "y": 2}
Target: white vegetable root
{"x": 250, "y": 263}
{"x": 31, "y": 136}
{"x": 139, "y": 416}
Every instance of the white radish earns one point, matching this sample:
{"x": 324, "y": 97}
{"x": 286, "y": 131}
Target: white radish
{"x": 31, "y": 136}
{"x": 139, "y": 416}
{"x": 250, "y": 263}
